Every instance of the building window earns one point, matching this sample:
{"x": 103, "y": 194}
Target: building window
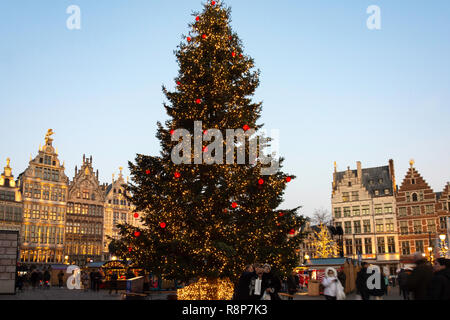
{"x": 419, "y": 246}
{"x": 357, "y": 226}
{"x": 417, "y": 226}
{"x": 414, "y": 197}
{"x": 349, "y": 246}
{"x": 405, "y": 248}
{"x": 378, "y": 209}
{"x": 415, "y": 211}
{"x": 431, "y": 225}
{"x": 355, "y": 196}
{"x": 368, "y": 245}
{"x": 365, "y": 210}
{"x": 402, "y": 211}
{"x": 408, "y": 197}
{"x": 345, "y": 197}
{"x": 366, "y": 225}
{"x": 420, "y": 196}
{"x": 337, "y": 213}
{"x": 355, "y": 211}
{"x": 429, "y": 209}
{"x": 347, "y": 212}
{"x": 391, "y": 245}
{"x": 413, "y": 181}
{"x": 379, "y": 225}
{"x": 348, "y": 227}
{"x": 443, "y": 222}
{"x": 386, "y": 191}
{"x": 377, "y": 192}
{"x": 358, "y": 246}
{"x": 381, "y": 245}
{"x": 389, "y": 225}
{"x": 349, "y": 183}
{"x": 388, "y": 208}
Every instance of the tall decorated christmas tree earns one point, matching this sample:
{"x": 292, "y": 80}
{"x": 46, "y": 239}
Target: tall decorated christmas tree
{"x": 208, "y": 216}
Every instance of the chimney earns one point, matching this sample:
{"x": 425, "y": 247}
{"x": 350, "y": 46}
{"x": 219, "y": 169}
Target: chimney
{"x": 392, "y": 174}
{"x": 359, "y": 170}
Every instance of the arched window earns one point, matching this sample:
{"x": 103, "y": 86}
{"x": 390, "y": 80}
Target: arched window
{"x": 414, "y": 197}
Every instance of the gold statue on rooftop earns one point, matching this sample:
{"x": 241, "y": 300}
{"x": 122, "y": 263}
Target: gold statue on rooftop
{"x": 48, "y": 135}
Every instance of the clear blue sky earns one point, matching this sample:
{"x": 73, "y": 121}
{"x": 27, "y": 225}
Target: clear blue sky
{"x": 336, "y": 90}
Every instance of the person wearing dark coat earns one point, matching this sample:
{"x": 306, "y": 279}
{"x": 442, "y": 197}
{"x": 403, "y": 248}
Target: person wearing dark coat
{"x": 258, "y": 283}
{"x": 60, "y": 279}
{"x": 420, "y": 278}
{"x": 292, "y": 284}
{"x": 403, "y": 283}
{"x": 241, "y": 291}
{"x": 361, "y": 282}
{"x": 439, "y": 288}
{"x": 272, "y": 281}
{"x": 47, "y": 277}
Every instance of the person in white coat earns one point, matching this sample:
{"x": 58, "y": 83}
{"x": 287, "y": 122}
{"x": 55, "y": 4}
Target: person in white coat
{"x": 333, "y": 287}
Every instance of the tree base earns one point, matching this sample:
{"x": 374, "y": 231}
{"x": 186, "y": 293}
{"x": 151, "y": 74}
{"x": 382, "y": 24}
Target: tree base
{"x": 207, "y": 289}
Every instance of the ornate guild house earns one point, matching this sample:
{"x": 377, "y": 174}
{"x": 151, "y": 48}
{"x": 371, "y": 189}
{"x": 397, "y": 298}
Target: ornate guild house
{"x": 84, "y": 220}
{"x": 422, "y": 216}
{"x": 363, "y": 204}
{"x": 44, "y": 190}
{"x": 10, "y": 201}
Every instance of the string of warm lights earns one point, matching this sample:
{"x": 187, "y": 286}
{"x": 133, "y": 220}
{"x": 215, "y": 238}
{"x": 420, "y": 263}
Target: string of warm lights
{"x": 204, "y": 221}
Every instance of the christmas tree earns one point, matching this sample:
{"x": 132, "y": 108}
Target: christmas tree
{"x": 324, "y": 245}
{"x": 208, "y": 219}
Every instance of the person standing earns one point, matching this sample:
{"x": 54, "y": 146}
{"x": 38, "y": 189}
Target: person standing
{"x": 241, "y": 291}
{"x": 439, "y": 288}
{"x": 257, "y": 286}
{"x": 47, "y": 278}
{"x": 361, "y": 282}
{"x": 333, "y": 288}
{"x": 113, "y": 285}
{"x": 378, "y": 292}
{"x": 342, "y": 277}
{"x": 272, "y": 281}
{"x": 403, "y": 283}
{"x": 34, "y": 278}
{"x": 60, "y": 278}
{"x": 420, "y": 278}
{"x": 292, "y": 284}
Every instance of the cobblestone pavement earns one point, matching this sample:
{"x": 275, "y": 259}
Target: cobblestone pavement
{"x": 66, "y": 294}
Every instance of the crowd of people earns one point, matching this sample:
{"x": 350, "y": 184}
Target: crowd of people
{"x": 424, "y": 282}
{"x": 258, "y": 282}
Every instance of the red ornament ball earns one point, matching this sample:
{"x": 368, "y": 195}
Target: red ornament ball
{"x": 189, "y": 39}
{"x": 177, "y": 174}
{"x": 233, "y": 54}
{"x": 281, "y": 214}
{"x": 205, "y": 149}
{"x": 172, "y": 132}
{"x": 203, "y": 36}
{"x": 137, "y": 234}
{"x": 198, "y": 101}
{"x": 234, "y": 205}
{"x": 205, "y": 132}
{"x": 260, "y": 181}
{"x": 130, "y": 249}
{"x": 197, "y": 18}
{"x": 147, "y": 171}
{"x": 292, "y": 231}
{"x": 288, "y": 179}
{"x": 246, "y": 127}
{"x": 136, "y": 215}
{"x": 162, "y": 225}
{"x": 213, "y": 3}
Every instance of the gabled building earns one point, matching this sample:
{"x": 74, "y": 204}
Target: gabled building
{"x": 363, "y": 205}
{"x": 11, "y": 209}
{"x": 44, "y": 191}
{"x": 84, "y": 219}
{"x": 421, "y": 215}
{"x": 118, "y": 210}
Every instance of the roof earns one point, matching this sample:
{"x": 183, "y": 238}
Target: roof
{"x": 327, "y": 262}
{"x": 377, "y": 178}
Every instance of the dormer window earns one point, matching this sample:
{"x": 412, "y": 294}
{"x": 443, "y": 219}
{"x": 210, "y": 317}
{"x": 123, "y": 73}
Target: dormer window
{"x": 413, "y": 181}
{"x": 414, "y": 197}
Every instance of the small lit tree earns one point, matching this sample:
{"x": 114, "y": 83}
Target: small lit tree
{"x": 325, "y": 246}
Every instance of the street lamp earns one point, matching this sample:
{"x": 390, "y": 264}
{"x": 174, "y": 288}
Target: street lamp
{"x": 430, "y": 250}
{"x": 444, "y": 247}
{"x": 306, "y": 257}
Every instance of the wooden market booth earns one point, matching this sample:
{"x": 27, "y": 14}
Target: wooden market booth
{"x": 316, "y": 272}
